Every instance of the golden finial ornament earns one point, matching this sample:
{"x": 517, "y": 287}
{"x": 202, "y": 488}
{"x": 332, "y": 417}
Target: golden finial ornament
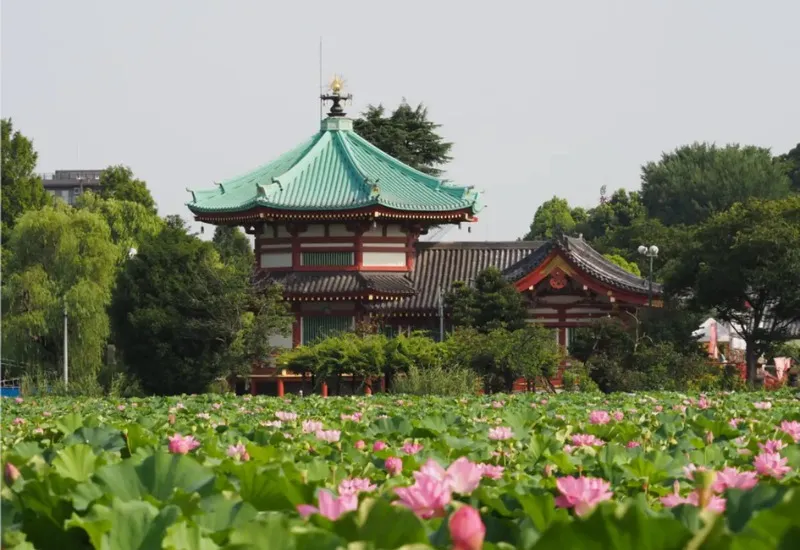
{"x": 337, "y": 84}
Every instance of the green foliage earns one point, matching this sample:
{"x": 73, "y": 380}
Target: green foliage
{"x": 406, "y": 135}
{"x": 653, "y": 353}
{"x": 131, "y": 223}
{"x": 630, "y": 267}
{"x": 118, "y": 182}
{"x": 791, "y": 163}
{"x": 491, "y": 303}
{"x": 22, "y": 187}
{"x": 454, "y": 381}
{"x": 58, "y": 256}
{"x": 745, "y": 265}
{"x": 694, "y": 182}
{"x": 233, "y": 245}
{"x": 184, "y": 319}
{"x": 553, "y": 217}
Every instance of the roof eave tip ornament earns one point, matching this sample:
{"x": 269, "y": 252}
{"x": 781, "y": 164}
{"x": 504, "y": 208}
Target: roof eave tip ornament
{"x": 336, "y": 97}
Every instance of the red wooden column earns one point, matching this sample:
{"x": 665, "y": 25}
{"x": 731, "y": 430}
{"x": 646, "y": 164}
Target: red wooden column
{"x": 368, "y": 387}
{"x": 280, "y": 387}
{"x": 253, "y": 383}
{"x": 324, "y": 389}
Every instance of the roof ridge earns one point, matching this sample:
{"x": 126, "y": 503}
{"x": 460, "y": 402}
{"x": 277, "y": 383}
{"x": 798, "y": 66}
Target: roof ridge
{"x": 364, "y": 143}
{"x": 305, "y": 160}
{"x": 342, "y": 142}
{"x": 480, "y": 244}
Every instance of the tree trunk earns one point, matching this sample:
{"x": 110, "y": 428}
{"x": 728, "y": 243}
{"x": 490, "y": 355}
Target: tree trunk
{"x": 752, "y": 364}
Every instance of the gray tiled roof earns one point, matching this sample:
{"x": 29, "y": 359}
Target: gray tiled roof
{"x": 343, "y": 282}
{"x": 442, "y": 264}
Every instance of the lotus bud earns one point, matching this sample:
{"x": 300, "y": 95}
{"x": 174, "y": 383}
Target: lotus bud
{"x": 704, "y": 481}
{"x": 11, "y": 473}
{"x": 709, "y": 438}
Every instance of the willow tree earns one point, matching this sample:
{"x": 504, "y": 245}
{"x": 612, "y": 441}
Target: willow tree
{"x": 60, "y": 258}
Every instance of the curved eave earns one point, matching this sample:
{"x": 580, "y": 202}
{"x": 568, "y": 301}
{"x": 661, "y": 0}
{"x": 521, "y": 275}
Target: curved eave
{"x": 260, "y": 213}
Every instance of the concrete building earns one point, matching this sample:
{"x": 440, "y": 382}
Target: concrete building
{"x": 68, "y": 185}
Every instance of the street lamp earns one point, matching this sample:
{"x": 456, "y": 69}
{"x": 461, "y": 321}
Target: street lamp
{"x": 649, "y": 252}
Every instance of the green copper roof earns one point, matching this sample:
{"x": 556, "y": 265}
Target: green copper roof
{"x": 334, "y": 170}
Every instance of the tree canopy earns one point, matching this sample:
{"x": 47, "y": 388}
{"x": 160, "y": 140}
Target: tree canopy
{"x": 490, "y": 303}
{"x": 183, "y": 318}
{"x": 233, "y": 245}
{"x": 551, "y": 218}
{"x": 406, "y": 135}
{"x": 744, "y": 264}
{"x": 22, "y": 188}
{"x": 59, "y": 255}
{"x": 791, "y": 163}
{"x": 696, "y": 181}
{"x": 118, "y": 182}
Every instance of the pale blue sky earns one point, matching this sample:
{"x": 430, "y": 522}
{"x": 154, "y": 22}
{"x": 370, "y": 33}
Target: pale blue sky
{"x": 540, "y": 98}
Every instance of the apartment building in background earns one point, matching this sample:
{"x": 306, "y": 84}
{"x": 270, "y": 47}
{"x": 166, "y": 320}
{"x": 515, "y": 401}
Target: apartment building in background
{"x": 68, "y": 185}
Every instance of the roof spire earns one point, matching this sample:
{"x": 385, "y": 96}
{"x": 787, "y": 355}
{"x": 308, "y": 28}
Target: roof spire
{"x": 335, "y": 97}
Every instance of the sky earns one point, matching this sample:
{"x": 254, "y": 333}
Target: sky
{"x": 540, "y": 98}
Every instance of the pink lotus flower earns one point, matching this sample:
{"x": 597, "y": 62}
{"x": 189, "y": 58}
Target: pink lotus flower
{"x": 491, "y": 471}
{"x": 731, "y": 478}
{"x": 715, "y": 504}
{"x": 633, "y": 444}
{"x": 690, "y": 469}
{"x": 120, "y": 407}
{"x": 331, "y": 436}
{"x": 427, "y": 497}
{"x": 582, "y": 493}
{"x": 356, "y": 485}
{"x": 467, "y": 529}
{"x": 360, "y": 444}
{"x": 393, "y": 465}
{"x": 771, "y": 464}
{"x": 734, "y": 422}
{"x": 329, "y": 506}
{"x": 501, "y": 433}
{"x": 411, "y": 448}
{"x": 355, "y": 417}
{"x": 181, "y": 445}
{"x": 17, "y": 421}
{"x": 703, "y": 403}
{"x": 599, "y": 417}
{"x": 568, "y": 448}
{"x": 47, "y": 413}
{"x": 586, "y": 440}
{"x": 311, "y": 426}
{"x": 271, "y": 423}
{"x": 286, "y": 416}
{"x": 238, "y": 452}
{"x": 204, "y": 416}
{"x": 498, "y": 404}
{"x": 378, "y": 446}
{"x": 659, "y": 408}
{"x": 18, "y": 400}
{"x": 763, "y": 405}
{"x": 772, "y": 446}
{"x": 38, "y": 430}
{"x": 462, "y": 476}
{"x": 792, "y": 429}
{"x": 679, "y": 408}
{"x": 618, "y": 416}
{"x": 216, "y": 406}
{"x": 11, "y": 473}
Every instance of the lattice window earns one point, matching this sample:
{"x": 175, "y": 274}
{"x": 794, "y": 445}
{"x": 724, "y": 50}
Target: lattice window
{"x": 327, "y": 258}
{"x": 317, "y": 327}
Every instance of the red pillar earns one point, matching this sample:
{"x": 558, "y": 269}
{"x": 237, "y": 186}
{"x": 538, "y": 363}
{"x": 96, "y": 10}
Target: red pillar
{"x": 253, "y": 390}
{"x": 324, "y": 389}
{"x": 368, "y": 387}
{"x": 280, "y": 387}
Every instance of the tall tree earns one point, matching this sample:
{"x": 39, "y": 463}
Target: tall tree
{"x": 692, "y": 183}
{"x": 745, "y": 265}
{"x": 118, "y": 182}
{"x": 621, "y": 210}
{"x": 22, "y": 187}
{"x": 490, "y": 303}
{"x": 552, "y": 217}
{"x": 130, "y": 223}
{"x": 791, "y": 162}
{"x": 233, "y": 245}
{"x": 183, "y": 318}
{"x": 59, "y": 256}
{"x": 406, "y": 135}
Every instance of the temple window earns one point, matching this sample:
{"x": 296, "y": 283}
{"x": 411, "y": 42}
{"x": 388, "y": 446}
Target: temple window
{"x": 316, "y": 327}
{"x": 327, "y": 258}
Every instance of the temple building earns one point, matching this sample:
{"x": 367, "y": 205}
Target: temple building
{"x": 336, "y": 221}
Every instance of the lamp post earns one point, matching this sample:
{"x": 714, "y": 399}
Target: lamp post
{"x": 649, "y": 252}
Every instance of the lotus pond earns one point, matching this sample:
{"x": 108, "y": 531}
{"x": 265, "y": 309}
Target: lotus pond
{"x": 380, "y": 472}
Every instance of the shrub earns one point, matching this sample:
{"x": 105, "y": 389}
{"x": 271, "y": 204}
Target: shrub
{"x": 437, "y": 380}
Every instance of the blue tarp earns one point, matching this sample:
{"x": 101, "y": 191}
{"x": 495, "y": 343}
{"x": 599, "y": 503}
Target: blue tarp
{"x": 9, "y": 392}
